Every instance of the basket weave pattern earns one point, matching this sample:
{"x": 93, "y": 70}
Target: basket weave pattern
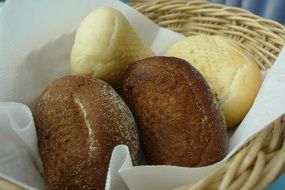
{"x": 260, "y": 161}
{"x": 261, "y": 37}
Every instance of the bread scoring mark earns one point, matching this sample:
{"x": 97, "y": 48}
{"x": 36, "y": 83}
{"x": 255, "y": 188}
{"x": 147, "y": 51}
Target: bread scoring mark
{"x": 88, "y": 125}
{"x": 114, "y": 34}
{"x": 225, "y": 97}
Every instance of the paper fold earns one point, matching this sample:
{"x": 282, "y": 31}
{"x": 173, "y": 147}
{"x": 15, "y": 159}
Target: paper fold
{"x": 121, "y": 159}
{"x": 19, "y": 158}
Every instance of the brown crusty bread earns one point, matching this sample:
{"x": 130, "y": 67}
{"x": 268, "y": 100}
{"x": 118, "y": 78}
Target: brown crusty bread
{"x": 79, "y": 120}
{"x": 179, "y": 119}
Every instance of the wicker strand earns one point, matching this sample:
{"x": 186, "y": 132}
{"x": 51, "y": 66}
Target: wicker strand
{"x": 269, "y": 156}
{"x": 275, "y": 140}
{"x": 273, "y": 168}
{"x": 238, "y": 182}
{"x": 230, "y": 173}
{"x": 254, "y": 176}
{"x": 252, "y": 153}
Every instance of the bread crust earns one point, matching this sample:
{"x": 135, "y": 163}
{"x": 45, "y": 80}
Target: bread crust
{"x": 105, "y": 45}
{"x": 179, "y": 119}
{"x": 79, "y": 120}
{"x": 229, "y": 69}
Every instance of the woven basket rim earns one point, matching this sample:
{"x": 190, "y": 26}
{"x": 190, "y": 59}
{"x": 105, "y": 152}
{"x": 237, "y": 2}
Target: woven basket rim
{"x": 267, "y": 27}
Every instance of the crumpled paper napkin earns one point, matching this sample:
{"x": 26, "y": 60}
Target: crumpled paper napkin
{"x": 19, "y": 158}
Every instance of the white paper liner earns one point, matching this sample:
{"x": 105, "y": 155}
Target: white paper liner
{"x": 35, "y": 50}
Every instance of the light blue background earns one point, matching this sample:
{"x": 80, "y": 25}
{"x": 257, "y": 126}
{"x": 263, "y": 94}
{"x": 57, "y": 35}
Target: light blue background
{"x": 272, "y": 9}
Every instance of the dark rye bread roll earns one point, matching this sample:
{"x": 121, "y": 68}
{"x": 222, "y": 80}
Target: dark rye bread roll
{"x": 79, "y": 120}
{"x": 178, "y": 116}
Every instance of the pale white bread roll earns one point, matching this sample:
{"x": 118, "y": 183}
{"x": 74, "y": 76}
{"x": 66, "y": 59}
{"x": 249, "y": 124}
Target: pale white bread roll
{"x": 105, "y": 45}
{"x": 230, "y": 71}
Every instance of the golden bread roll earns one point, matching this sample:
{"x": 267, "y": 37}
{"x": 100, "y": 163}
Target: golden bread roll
{"x": 105, "y": 45}
{"x": 178, "y": 117}
{"x": 79, "y": 120}
{"x": 230, "y": 71}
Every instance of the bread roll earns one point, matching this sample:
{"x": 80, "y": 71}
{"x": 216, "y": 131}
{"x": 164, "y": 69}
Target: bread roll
{"x": 79, "y": 120}
{"x": 105, "y": 45}
{"x": 230, "y": 71}
{"x": 179, "y": 120}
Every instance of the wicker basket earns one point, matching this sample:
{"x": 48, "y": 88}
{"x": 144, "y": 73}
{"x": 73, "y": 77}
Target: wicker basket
{"x": 259, "y": 162}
